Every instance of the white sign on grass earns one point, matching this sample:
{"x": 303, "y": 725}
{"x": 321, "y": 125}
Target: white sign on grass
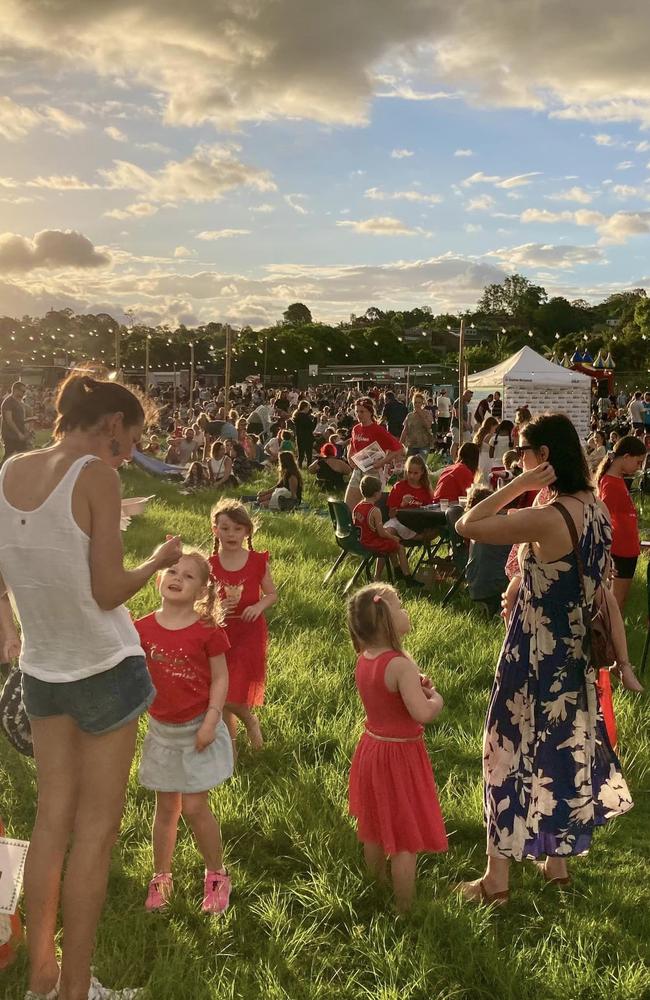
{"x": 12, "y": 865}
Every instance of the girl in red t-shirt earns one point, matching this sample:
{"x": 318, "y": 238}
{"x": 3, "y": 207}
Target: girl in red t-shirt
{"x": 625, "y": 461}
{"x": 364, "y": 433}
{"x": 246, "y": 589}
{"x": 392, "y": 790}
{"x": 413, "y": 491}
{"x": 187, "y": 750}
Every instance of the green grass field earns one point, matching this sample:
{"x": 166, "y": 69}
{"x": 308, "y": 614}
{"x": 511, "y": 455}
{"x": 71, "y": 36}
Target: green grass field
{"x": 304, "y": 921}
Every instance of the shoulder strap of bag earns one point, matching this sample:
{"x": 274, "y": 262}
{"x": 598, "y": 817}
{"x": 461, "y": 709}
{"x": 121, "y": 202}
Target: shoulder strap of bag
{"x": 568, "y": 520}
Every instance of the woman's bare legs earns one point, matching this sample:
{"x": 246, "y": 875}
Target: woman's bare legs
{"x": 165, "y": 830}
{"x": 621, "y": 590}
{"x": 352, "y": 496}
{"x": 495, "y": 879}
{"x": 55, "y": 753}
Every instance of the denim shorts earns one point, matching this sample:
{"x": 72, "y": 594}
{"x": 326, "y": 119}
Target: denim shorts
{"x": 98, "y": 704}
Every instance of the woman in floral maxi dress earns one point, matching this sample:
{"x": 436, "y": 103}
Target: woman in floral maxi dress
{"x": 550, "y": 774}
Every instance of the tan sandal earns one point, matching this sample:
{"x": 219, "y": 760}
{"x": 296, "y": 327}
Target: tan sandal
{"x": 475, "y": 892}
{"x": 559, "y": 880}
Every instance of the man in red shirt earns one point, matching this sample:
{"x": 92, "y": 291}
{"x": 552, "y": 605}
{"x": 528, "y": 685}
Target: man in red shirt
{"x": 456, "y": 479}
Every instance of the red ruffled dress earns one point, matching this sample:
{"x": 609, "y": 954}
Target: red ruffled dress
{"x": 392, "y": 789}
{"x": 246, "y": 657}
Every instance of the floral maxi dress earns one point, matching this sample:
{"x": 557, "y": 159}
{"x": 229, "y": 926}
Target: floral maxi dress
{"x": 550, "y": 774}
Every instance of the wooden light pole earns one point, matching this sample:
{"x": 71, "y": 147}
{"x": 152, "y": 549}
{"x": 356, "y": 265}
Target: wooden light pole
{"x": 461, "y": 379}
{"x": 227, "y": 366}
{"x": 191, "y": 374}
{"x": 146, "y": 362}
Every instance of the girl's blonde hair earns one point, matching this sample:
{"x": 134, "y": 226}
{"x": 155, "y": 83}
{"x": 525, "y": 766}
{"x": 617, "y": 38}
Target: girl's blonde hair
{"x": 369, "y": 618}
{"x": 237, "y": 513}
{"x": 208, "y": 606}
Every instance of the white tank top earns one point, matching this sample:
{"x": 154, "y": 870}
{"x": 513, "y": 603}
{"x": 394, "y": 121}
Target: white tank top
{"x": 45, "y": 563}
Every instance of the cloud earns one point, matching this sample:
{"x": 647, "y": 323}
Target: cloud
{"x": 139, "y": 210}
{"x": 263, "y": 209}
{"x": 221, "y": 234}
{"x": 573, "y": 194}
{"x": 535, "y": 255}
{"x": 376, "y": 194}
{"x": 616, "y": 228}
{"x": 624, "y": 165}
{"x": 519, "y": 180}
{"x": 182, "y": 252}
{"x": 401, "y": 154}
{"x": 464, "y": 152}
{"x": 17, "y": 120}
{"x": 483, "y": 203}
{"x": 294, "y": 202}
{"x": 116, "y": 134}
{"x": 61, "y": 182}
{"x": 382, "y": 225}
{"x": 164, "y": 294}
{"x": 603, "y": 139}
{"x": 52, "y": 249}
{"x": 235, "y": 61}
{"x": 473, "y": 227}
{"x": 207, "y": 175}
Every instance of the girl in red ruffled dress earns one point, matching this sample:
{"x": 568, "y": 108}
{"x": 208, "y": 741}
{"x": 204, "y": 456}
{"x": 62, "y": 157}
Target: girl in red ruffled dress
{"x": 392, "y": 789}
{"x": 246, "y": 590}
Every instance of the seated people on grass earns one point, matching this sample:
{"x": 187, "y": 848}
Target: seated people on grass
{"x": 332, "y": 473}
{"x": 289, "y": 482}
{"x": 486, "y": 567}
{"x": 414, "y": 490}
{"x": 219, "y": 465}
{"x": 374, "y": 536}
{"x": 456, "y": 479}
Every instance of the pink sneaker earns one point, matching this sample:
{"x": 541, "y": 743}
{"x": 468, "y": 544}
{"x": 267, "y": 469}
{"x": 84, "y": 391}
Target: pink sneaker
{"x": 160, "y": 889}
{"x": 216, "y": 891}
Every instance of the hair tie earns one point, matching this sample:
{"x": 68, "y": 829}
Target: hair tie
{"x": 377, "y": 598}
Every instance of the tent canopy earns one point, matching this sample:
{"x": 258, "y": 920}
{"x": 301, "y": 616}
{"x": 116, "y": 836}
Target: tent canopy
{"x": 527, "y": 366}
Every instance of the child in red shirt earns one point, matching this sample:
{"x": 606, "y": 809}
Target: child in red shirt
{"x": 373, "y": 535}
{"x": 456, "y": 479}
{"x": 187, "y": 750}
{"x": 411, "y": 492}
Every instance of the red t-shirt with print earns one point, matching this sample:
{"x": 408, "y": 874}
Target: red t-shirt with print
{"x": 362, "y": 436}
{"x": 179, "y": 664}
{"x": 454, "y": 482}
{"x": 404, "y": 496}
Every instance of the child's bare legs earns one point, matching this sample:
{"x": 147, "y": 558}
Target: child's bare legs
{"x": 379, "y": 569}
{"x": 206, "y": 830}
{"x": 251, "y": 722}
{"x": 376, "y": 861}
{"x": 402, "y": 871}
{"x": 403, "y": 561}
{"x": 165, "y": 830}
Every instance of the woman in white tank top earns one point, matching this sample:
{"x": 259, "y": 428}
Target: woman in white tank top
{"x": 84, "y": 676}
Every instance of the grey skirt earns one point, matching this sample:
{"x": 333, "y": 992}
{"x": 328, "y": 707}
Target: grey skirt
{"x": 171, "y": 763}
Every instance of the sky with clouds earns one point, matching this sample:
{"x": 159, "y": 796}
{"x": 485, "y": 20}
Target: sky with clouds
{"x": 219, "y": 159}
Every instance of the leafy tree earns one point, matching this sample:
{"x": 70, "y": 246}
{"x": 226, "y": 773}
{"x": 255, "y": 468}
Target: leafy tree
{"x": 516, "y": 297}
{"x": 297, "y": 314}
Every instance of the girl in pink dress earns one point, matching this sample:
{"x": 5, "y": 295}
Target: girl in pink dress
{"x": 246, "y": 590}
{"x": 392, "y": 789}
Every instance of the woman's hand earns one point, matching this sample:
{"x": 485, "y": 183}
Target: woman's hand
{"x": 11, "y": 649}
{"x": 252, "y": 612}
{"x": 535, "y": 479}
{"x": 509, "y": 597}
{"x": 206, "y": 734}
{"x": 627, "y": 677}
{"x": 169, "y": 552}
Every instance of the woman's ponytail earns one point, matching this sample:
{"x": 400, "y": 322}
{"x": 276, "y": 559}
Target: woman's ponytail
{"x": 83, "y": 401}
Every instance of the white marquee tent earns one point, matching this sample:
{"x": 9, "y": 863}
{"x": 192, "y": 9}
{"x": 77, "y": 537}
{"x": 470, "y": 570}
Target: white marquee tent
{"x": 528, "y": 379}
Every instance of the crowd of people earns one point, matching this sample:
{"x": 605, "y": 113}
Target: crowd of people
{"x": 197, "y": 665}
